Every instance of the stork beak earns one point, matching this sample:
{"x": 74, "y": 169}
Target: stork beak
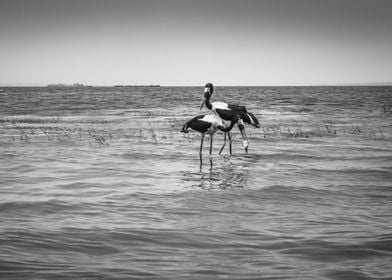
{"x": 245, "y": 144}
{"x": 202, "y": 103}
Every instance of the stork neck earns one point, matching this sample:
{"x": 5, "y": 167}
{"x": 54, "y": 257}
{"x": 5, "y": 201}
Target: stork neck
{"x": 227, "y": 129}
{"x": 208, "y": 103}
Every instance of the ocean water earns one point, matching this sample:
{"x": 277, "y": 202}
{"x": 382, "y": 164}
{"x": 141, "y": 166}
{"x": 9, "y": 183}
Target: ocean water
{"x": 99, "y": 183}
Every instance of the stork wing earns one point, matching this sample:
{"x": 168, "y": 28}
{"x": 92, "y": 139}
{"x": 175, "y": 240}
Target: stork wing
{"x": 238, "y": 108}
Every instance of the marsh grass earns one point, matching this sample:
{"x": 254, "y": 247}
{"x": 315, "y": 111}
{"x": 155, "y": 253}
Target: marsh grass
{"x": 387, "y": 109}
{"x": 148, "y": 127}
{"x": 54, "y": 129}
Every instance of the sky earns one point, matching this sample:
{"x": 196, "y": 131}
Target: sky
{"x": 189, "y": 43}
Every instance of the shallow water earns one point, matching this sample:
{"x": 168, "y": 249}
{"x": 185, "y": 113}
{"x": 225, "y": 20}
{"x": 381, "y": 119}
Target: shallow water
{"x": 100, "y": 183}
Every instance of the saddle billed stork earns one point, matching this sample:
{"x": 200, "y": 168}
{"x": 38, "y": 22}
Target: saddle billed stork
{"x": 230, "y": 112}
{"x": 206, "y": 124}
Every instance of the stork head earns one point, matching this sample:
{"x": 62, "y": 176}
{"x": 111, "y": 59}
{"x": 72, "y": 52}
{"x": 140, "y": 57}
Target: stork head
{"x": 251, "y": 119}
{"x": 208, "y": 90}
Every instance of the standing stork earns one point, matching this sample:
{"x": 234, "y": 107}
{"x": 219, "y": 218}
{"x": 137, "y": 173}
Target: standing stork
{"x": 206, "y": 124}
{"x": 230, "y": 112}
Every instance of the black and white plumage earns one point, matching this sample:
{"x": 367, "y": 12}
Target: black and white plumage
{"x": 206, "y": 124}
{"x": 230, "y": 112}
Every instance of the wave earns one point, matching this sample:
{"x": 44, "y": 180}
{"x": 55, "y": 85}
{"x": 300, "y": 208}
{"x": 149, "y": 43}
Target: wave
{"x": 172, "y": 253}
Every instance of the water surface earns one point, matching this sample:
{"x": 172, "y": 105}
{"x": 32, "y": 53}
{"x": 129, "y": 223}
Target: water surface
{"x": 100, "y": 183}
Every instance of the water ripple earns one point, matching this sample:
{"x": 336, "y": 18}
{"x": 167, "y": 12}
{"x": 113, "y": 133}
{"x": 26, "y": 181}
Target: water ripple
{"x": 103, "y": 185}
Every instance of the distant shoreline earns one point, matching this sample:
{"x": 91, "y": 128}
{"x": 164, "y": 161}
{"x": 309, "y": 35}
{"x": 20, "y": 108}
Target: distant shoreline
{"x": 136, "y": 86}
{"x": 168, "y": 86}
{"x": 197, "y": 86}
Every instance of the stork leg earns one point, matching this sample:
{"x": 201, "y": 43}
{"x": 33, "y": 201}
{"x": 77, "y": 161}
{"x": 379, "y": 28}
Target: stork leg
{"x": 201, "y": 144}
{"x": 230, "y": 141}
{"x": 224, "y": 144}
{"x": 211, "y": 138}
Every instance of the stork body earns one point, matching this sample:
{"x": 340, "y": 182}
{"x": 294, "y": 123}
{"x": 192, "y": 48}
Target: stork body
{"x": 230, "y": 112}
{"x": 206, "y": 124}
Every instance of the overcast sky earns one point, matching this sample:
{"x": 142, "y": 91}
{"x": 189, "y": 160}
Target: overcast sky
{"x": 183, "y": 42}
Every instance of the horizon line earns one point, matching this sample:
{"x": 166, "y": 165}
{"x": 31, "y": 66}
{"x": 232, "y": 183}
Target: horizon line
{"x": 147, "y": 85}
